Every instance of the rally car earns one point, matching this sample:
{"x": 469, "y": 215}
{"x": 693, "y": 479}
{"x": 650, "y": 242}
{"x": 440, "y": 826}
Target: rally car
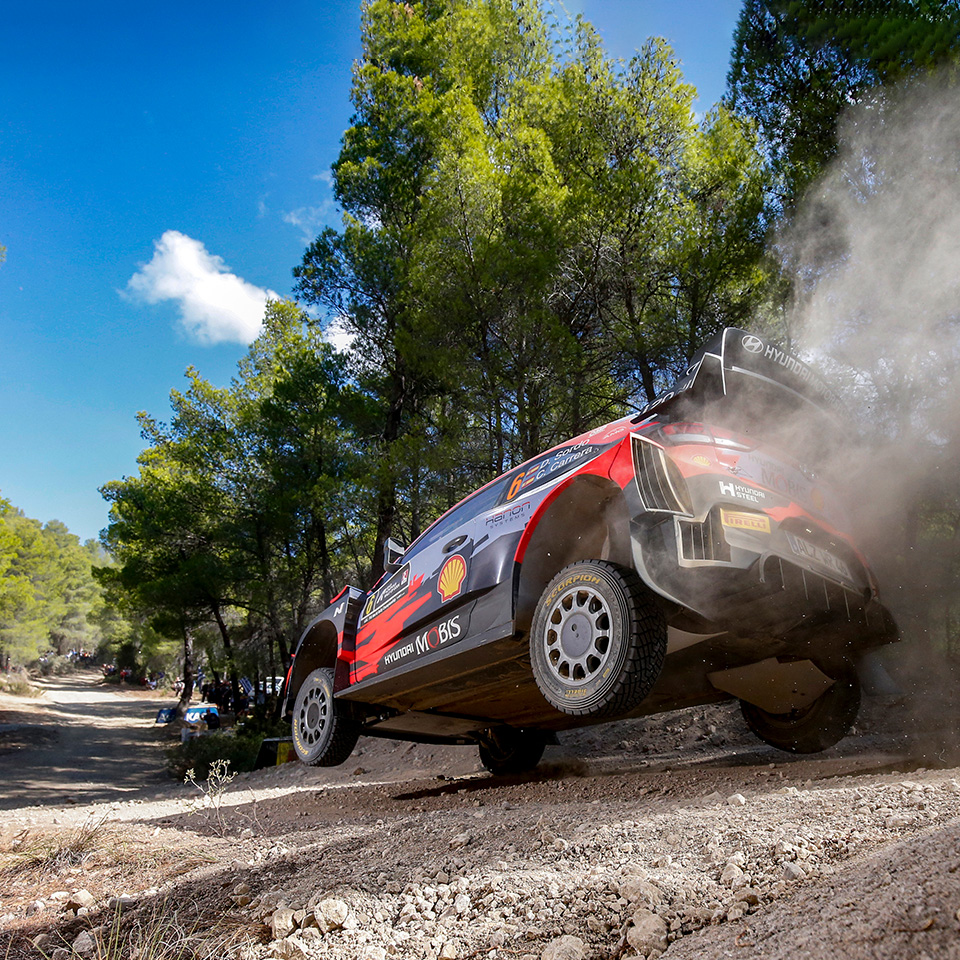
{"x": 684, "y": 555}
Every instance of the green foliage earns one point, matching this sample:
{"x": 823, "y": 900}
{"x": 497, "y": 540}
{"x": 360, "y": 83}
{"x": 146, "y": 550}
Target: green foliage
{"x": 796, "y": 67}
{"x": 535, "y": 237}
{"x": 49, "y": 599}
{"x": 199, "y": 755}
{"x": 245, "y": 512}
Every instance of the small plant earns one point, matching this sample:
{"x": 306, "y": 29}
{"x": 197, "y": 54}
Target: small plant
{"x": 165, "y": 934}
{"x": 19, "y": 687}
{"x": 213, "y": 788}
{"x": 48, "y": 853}
{"x": 199, "y": 753}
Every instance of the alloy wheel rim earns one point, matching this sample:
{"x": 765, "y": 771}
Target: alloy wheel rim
{"x": 313, "y": 715}
{"x": 578, "y": 636}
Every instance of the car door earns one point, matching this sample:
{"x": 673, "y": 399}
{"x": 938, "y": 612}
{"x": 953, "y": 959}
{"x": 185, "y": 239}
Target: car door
{"x": 422, "y": 607}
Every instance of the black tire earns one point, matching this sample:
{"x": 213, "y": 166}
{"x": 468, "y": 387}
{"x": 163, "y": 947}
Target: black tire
{"x": 598, "y": 640}
{"x": 323, "y": 735}
{"x": 507, "y": 750}
{"x": 823, "y": 723}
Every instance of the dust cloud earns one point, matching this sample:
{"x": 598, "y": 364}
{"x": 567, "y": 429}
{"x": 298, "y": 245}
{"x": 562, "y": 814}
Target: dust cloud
{"x": 874, "y": 254}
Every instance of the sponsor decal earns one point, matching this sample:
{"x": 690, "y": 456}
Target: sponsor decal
{"x": 339, "y": 609}
{"x": 806, "y": 375}
{"x": 570, "y": 581}
{"x": 451, "y": 577}
{"x": 433, "y": 638}
{"x": 393, "y": 590}
{"x": 752, "y": 344}
{"x": 737, "y": 491}
{"x": 510, "y": 515}
{"x": 754, "y": 522}
{"x": 701, "y": 460}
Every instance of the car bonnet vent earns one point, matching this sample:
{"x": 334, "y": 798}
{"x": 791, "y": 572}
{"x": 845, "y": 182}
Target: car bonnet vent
{"x": 658, "y": 479}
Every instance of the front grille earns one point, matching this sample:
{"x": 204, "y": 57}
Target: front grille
{"x": 703, "y": 541}
{"x": 658, "y": 479}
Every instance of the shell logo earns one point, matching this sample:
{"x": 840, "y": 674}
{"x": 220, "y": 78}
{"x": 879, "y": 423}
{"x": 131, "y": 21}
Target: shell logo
{"x": 451, "y": 577}
{"x": 701, "y": 461}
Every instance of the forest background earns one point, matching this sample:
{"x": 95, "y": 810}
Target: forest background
{"x": 535, "y": 239}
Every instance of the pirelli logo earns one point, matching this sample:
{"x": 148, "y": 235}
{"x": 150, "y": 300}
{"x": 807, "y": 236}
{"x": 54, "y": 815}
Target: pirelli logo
{"x": 739, "y": 520}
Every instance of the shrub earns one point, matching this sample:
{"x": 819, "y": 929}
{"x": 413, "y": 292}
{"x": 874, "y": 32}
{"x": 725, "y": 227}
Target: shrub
{"x": 201, "y": 753}
{"x": 54, "y": 665}
{"x": 18, "y": 685}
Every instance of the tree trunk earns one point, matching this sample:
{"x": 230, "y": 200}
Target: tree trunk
{"x": 186, "y": 694}
{"x": 387, "y": 499}
{"x": 228, "y": 649}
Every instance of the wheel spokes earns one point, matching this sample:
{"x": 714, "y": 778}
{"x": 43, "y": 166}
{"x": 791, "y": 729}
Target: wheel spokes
{"x": 313, "y": 715}
{"x": 578, "y": 635}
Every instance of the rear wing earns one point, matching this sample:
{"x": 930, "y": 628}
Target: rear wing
{"x": 759, "y": 373}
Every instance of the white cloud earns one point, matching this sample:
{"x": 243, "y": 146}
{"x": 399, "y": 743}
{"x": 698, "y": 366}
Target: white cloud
{"x": 216, "y": 306}
{"x": 338, "y": 336}
{"x": 311, "y": 220}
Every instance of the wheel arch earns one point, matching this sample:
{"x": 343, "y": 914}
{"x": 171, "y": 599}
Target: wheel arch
{"x": 587, "y": 519}
{"x": 317, "y": 648}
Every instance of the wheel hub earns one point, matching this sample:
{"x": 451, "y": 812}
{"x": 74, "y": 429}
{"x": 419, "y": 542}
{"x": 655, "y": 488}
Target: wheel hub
{"x": 313, "y": 715}
{"x": 578, "y": 635}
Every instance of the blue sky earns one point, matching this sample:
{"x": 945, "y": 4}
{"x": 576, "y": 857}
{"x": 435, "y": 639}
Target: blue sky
{"x": 162, "y": 168}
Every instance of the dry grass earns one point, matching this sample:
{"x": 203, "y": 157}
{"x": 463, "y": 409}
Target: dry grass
{"x": 19, "y": 687}
{"x": 34, "y": 862}
{"x": 53, "y": 852}
{"x": 163, "y": 933}
{"x": 42, "y": 854}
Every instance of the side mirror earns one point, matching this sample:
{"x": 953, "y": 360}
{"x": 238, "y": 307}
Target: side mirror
{"x": 392, "y": 555}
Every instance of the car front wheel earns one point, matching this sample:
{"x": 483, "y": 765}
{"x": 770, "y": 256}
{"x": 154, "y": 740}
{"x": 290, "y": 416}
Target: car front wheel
{"x": 323, "y": 735}
{"x": 823, "y": 723}
{"x": 598, "y": 640}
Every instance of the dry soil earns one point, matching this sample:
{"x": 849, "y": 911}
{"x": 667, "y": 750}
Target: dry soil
{"x": 679, "y": 836}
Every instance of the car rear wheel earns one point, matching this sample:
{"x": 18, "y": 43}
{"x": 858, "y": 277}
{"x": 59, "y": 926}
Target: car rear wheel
{"x": 823, "y": 723}
{"x": 507, "y": 750}
{"x": 598, "y": 640}
{"x": 323, "y": 734}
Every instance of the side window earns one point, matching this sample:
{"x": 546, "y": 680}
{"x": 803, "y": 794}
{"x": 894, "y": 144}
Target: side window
{"x": 476, "y": 504}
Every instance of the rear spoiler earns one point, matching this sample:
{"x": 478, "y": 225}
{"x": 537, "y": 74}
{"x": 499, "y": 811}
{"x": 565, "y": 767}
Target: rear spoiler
{"x": 736, "y": 362}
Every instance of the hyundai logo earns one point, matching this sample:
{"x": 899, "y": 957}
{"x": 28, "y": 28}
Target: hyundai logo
{"x": 752, "y": 344}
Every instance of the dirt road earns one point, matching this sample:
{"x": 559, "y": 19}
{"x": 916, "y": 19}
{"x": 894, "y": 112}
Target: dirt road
{"x": 678, "y": 836}
{"x": 82, "y": 741}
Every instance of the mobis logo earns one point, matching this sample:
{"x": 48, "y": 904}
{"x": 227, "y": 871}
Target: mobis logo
{"x": 437, "y": 636}
{"x": 431, "y": 639}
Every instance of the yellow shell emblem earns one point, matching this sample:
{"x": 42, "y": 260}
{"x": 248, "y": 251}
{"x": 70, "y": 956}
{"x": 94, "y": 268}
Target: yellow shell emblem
{"x": 451, "y": 577}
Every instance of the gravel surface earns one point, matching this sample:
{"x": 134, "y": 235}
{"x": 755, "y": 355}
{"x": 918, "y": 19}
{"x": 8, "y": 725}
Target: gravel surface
{"x": 678, "y": 836}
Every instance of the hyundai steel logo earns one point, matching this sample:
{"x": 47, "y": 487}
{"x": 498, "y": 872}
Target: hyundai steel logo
{"x": 752, "y": 344}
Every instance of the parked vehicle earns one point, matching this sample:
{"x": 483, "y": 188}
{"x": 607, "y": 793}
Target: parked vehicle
{"x": 684, "y": 555}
